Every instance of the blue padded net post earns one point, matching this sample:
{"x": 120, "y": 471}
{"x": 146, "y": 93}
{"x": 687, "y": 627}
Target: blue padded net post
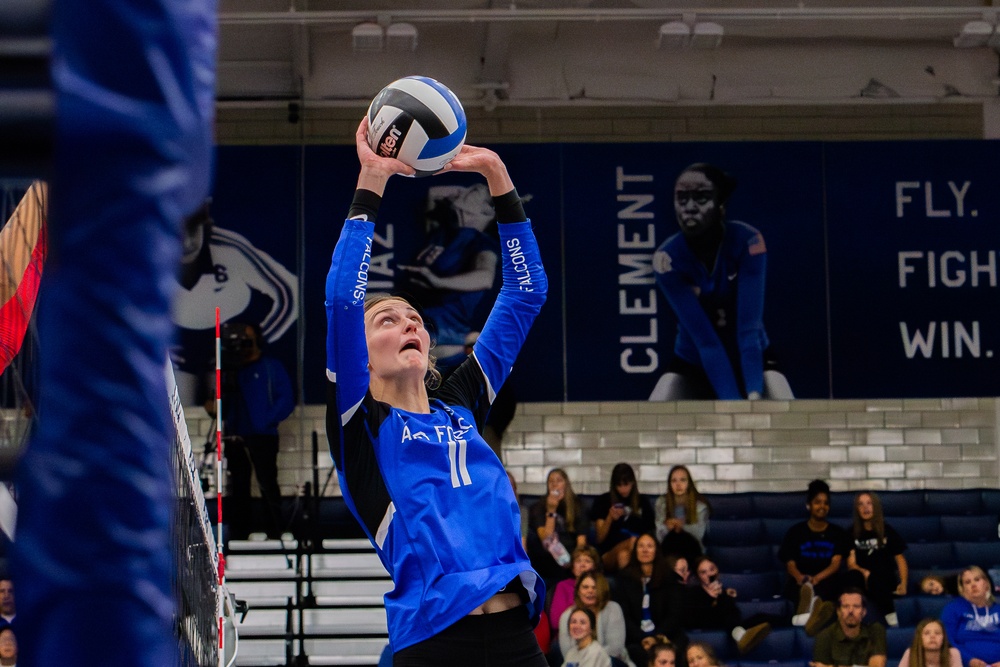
{"x": 134, "y": 83}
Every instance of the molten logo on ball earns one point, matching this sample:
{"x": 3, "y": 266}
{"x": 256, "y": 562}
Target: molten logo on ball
{"x": 389, "y": 145}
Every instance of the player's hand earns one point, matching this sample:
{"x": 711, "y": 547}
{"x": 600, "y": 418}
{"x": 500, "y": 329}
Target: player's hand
{"x": 373, "y": 165}
{"x": 483, "y": 161}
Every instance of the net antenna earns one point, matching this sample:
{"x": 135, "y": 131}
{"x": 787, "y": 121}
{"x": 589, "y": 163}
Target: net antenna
{"x": 218, "y": 485}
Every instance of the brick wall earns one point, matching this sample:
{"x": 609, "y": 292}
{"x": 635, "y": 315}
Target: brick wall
{"x": 728, "y": 445}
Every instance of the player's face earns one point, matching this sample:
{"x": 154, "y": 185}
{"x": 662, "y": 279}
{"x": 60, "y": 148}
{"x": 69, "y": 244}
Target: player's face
{"x": 645, "y": 549}
{"x": 819, "y": 507}
{"x": 579, "y": 626}
{"x": 932, "y": 637}
{"x": 588, "y": 592}
{"x": 866, "y": 507}
{"x": 557, "y": 482}
{"x": 398, "y": 343}
{"x": 582, "y": 563}
{"x": 932, "y": 587}
{"x": 695, "y": 203}
{"x": 682, "y": 569}
{"x": 707, "y": 572}
{"x": 851, "y": 610}
{"x": 8, "y": 644}
{"x": 679, "y": 482}
{"x": 975, "y": 587}
{"x": 665, "y": 658}
{"x": 697, "y": 657}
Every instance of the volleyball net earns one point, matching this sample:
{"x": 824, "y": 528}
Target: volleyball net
{"x": 195, "y": 581}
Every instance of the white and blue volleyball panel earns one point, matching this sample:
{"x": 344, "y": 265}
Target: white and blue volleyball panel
{"x": 419, "y": 121}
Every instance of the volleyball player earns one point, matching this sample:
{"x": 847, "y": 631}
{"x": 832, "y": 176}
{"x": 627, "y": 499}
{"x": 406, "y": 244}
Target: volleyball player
{"x": 712, "y": 274}
{"x": 429, "y": 492}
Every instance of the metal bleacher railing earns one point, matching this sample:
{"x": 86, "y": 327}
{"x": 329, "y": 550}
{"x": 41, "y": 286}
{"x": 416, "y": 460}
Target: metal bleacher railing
{"x": 314, "y": 600}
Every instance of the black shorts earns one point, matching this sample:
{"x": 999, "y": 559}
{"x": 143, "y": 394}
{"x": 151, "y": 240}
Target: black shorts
{"x": 504, "y": 639}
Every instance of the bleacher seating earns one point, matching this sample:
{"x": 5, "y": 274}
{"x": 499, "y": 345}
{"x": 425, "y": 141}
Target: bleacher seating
{"x": 944, "y": 530}
{"x": 974, "y": 528}
{"x": 753, "y": 585}
{"x": 897, "y": 640}
{"x": 781, "y": 644}
{"x": 735, "y": 532}
{"x": 903, "y": 503}
{"x": 737, "y": 559}
{"x": 929, "y": 555}
{"x": 916, "y": 528}
{"x": 984, "y": 554}
{"x": 954, "y": 502}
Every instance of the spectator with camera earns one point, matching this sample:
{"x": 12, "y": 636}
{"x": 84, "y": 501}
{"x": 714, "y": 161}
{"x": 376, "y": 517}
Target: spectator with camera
{"x": 257, "y": 396}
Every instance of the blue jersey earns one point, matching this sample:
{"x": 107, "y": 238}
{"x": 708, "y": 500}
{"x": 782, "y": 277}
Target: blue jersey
{"x": 719, "y": 311}
{"x": 429, "y": 492}
{"x": 974, "y": 631}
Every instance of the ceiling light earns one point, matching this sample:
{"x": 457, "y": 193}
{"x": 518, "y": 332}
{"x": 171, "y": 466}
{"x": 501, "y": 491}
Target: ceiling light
{"x": 974, "y": 34}
{"x": 367, "y": 37}
{"x": 706, "y": 35}
{"x": 674, "y": 35}
{"x": 401, "y": 37}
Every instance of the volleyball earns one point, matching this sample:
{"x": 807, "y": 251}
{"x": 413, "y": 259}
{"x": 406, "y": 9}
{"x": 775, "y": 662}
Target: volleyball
{"x": 418, "y": 121}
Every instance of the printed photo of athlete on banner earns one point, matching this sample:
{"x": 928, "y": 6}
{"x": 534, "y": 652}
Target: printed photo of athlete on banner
{"x": 707, "y": 272}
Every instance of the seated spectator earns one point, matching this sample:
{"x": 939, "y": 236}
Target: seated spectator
{"x": 700, "y": 654}
{"x": 592, "y": 593}
{"x": 557, "y": 524}
{"x": 585, "y": 651}
{"x": 679, "y": 565}
{"x": 876, "y": 563}
{"x": 930, "y": 647}
{"x": 848, "y": 642}
{"x": 650, "y": 599}
{"x": 619, "y": 517}
{"x": 681, "y": 516}
{"x": 709, "y": 606}
{"x": 662, "y": 653}
{"x": 584, "y": 559}
{"x": 934, "y": 584}
{"x": 8, "y": 607}
{"x": 8, "y": 647}
{"x": 812, "y": 552}
{"x": 972, "y": 621}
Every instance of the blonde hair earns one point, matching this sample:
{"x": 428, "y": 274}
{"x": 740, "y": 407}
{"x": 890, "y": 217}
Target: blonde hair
{"x": 975, "y": 569}
{"x": 432, "y": 380}
{"x": 570, "y": 500}
{"x": 918, "y": 657}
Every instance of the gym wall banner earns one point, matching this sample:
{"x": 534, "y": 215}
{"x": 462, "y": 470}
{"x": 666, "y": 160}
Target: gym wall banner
{"x": 880, "y": 277}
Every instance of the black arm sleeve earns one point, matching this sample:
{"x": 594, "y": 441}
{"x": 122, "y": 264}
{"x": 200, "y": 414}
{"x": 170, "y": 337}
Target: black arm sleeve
{"x": 509, "y": 208}
{"x": 365, "y": 205}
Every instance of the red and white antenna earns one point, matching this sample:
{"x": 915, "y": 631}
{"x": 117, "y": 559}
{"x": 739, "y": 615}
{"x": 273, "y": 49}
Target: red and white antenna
{"x": 218, "y": 483}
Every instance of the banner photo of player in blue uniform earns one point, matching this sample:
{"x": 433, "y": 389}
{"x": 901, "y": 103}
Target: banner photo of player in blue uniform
{"x": 699, "y": 262}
